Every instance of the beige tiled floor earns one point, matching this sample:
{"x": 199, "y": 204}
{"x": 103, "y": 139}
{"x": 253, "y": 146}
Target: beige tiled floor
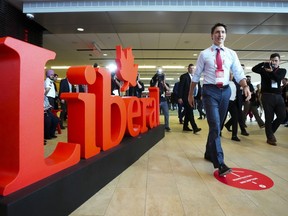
{"x": 172, "y": 178}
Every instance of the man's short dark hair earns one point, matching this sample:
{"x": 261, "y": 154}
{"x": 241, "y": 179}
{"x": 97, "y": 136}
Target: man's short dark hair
{"x": 190, "y": 65}
{"x": 274, "y": 55}
{"x": 216, "y": 25}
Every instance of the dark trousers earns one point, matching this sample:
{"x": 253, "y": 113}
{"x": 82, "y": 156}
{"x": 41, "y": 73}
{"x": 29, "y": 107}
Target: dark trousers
{"x": 233, "y": 121}
{"x": 63, "y": 114}
{"x": 189, "y": 116}
{"x": 181, "y": 111}
{"x": 51, "y": 101}
{"x": 273, "y": 104}
{"x": 50, "y": 124}
{"x": 200, "y": 107}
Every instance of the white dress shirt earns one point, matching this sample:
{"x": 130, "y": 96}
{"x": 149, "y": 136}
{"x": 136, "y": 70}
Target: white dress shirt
{"x": 206, "y": 64}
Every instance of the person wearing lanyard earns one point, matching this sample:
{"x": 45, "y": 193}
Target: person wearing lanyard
{"x": 272, "y": 100}
{"x": 215, "y": 63}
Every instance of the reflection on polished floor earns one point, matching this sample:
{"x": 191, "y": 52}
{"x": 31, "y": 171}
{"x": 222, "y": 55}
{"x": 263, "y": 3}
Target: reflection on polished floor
{"x": 172, "y": 178}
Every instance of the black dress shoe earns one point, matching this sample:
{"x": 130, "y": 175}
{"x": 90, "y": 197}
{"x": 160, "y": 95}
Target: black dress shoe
{"x": 271, "y": 142}
{"x": 200, "y": 117}
{"x": 168, "y": 129}
{"x": 223, "y": 170}
{"x": 54, "y": 136}
{"x": 244, "y": 133}
{"x": 228, "y": 128}
{"x": 204, "y": 115}
{"x": 197, "y": 130}
{"x": 187, "y": 129}
{"x": 235, "y": 138}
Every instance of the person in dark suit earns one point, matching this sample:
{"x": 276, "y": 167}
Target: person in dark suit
{"x": 183, "y": 91}
{"x": 239, "y": 104}
{"x": 65, "y": 86}
{"x": 180, "y": 107}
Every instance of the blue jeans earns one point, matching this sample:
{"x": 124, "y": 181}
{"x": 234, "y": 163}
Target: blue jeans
{"x": 165, "y": 110}
{"x": 216, "y": 101}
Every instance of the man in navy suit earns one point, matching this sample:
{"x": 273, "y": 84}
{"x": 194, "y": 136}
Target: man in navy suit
{"x": 183, "y": 91}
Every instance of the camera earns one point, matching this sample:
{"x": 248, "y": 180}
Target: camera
{"x": 269, "y": 65}
{"x": 160, "y": 77}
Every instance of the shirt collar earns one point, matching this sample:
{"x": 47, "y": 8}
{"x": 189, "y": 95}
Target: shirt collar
{"x": 214, "y": 47}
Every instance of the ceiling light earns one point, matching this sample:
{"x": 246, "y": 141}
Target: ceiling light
{"x": 173, "y": 67}
{"x": 111, "y": 67}
{"x": 248, "y": 68}
{"x": 146, "y": 66}
{"x": 105, "y": 54}
{"x": 59, "y": 67}
{"x": 30, "y": 16}
{"x": 80, "y": 29}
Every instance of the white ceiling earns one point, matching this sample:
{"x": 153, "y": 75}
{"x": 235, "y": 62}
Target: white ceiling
{"x": 161, "y": 37}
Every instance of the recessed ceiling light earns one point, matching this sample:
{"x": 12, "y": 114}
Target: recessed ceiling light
{"x": 80, "y": 29}
{"x": 30, "y": 16}
{"x": 105, "y": 54}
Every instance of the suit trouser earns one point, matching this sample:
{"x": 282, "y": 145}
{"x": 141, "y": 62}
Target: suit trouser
{"x": 216, "y": 103}
{"x": 232, "y": 109}
{"x": 189, "y": 116}
{"x": 273, "y": 103}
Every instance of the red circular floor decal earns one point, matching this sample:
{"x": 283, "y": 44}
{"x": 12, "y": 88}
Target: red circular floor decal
{"x": 245, "y": 179}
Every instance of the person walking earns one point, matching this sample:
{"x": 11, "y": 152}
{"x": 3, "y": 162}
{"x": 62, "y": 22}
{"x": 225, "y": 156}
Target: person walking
{"x": 272, "y": 100}
{"x": 233, "y": 110}
{"x": 215, "y": 63}
{"x": 183, "y": 91}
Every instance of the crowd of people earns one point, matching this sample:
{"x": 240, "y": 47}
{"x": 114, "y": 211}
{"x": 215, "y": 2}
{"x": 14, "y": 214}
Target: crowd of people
{"x": 225, "y": 91}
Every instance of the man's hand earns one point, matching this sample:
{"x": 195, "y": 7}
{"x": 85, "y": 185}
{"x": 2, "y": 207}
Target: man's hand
{"x": 247, "y": 93}
{"x": 180, "y": 101}
{"x": 191, "y": 99}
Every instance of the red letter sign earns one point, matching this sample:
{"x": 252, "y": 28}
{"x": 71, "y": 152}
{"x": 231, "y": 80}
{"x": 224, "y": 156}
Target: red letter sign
{"x": 22, "y": 159}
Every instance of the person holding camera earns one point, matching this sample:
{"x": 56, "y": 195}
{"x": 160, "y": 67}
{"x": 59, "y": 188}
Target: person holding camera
{"x": 272, "y": 100}
{"x": 138, "y": 89}
{"x": 158, "y": 80}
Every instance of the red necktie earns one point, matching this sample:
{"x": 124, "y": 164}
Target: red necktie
{"x": 218, "y": 60}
